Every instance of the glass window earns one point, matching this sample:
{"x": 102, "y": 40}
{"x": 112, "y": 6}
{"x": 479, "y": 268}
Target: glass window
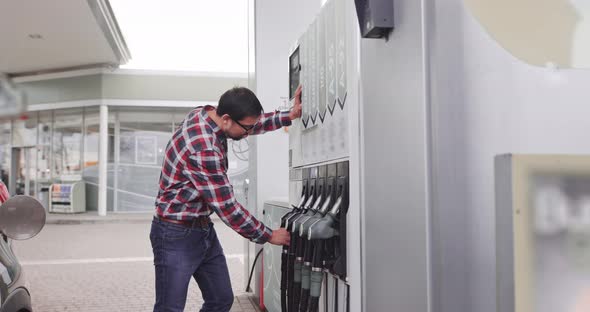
{"x": 127, "y": 147}
{"x": 143, "y": 139}
{"x": 25, "y": 173}
{"x": 44, "y": 129}
{"x": 91, "y": 154}
{"x": 179, "y": 115}
{"x": 44, "y": 157}
{"x": 5, "y": 135}
{"x": 25, "y": 131}
{"x": 91, "y": 139}
{"x": 92, "y": 142}
{"x": 24, "y": 151}
{"x": 237, "y": 172}
{"x": 67, "y": 143}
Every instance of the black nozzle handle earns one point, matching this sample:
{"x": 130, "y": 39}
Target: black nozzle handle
{"x": 297, "y": 266}
{"x": 306, "y": 274}
{"x": 288, "y": 224}
{"x": 316, "y": 276}
{"x": 284, "y": 281}
{"x": 291, "y": 271}
{"x": 337, "y": 204}
{"x": 326, "y": 205}
{"x": 300, "y": 209}
{"x": 296, "y": 296}
{"x": 297, "y": 272}
{"x": 314, "y": 303}
{"x": 288, "y": 216}
{"x": 317, "y": 203}
{"x": 301, "y": 202}
{"x": 316, "y": 279}
{"x": 309, "y": 202}
{"x": 304, "y": 300}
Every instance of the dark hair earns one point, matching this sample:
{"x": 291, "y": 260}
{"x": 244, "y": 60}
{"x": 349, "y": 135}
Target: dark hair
{"x": 239, "y": 103}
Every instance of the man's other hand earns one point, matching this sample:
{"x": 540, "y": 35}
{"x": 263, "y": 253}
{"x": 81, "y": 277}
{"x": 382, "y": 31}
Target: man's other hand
{"x": 296, "y": 109}
{"x": 280, "y": 237}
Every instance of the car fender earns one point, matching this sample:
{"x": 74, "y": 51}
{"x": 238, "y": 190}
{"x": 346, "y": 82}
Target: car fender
{"x": 18, "y": 300}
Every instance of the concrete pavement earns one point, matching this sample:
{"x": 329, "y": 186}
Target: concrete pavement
{"x": 87, "y": 264}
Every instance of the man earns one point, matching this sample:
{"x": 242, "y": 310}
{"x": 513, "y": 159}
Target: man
{"x": 194, "y": 184}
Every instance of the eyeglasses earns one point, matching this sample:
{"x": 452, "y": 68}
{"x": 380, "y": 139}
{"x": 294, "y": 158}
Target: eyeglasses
{"x": 246, "y": 128}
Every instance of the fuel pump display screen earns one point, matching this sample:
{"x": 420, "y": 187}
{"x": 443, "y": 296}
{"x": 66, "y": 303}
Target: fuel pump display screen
{"x": 294, "y": 70}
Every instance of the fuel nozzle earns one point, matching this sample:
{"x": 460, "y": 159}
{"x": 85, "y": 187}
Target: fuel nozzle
{"x": 309, "y": 213}
{"x": 324, "y": 228}
{"x": 320, "y": 213}
{"x": 302, "y": 208}
{"x": 294, "y": 210}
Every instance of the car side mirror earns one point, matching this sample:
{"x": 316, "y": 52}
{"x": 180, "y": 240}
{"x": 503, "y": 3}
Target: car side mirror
{"x": 21, "y": 217}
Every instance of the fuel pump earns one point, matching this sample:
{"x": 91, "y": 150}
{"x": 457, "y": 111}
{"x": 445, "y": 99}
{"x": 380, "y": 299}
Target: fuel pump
{"x": 317, "y": 226}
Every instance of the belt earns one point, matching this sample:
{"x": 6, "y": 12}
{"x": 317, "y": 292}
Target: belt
{"x": 201, "y": 221}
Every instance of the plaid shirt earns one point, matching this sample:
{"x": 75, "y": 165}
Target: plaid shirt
{"x": 194, "y": 182}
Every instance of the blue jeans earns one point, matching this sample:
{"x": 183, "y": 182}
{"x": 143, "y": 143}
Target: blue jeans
{"x": 181, "y": 253}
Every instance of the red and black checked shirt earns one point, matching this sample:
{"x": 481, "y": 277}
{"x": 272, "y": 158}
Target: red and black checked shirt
{"x": 194, "y": 182}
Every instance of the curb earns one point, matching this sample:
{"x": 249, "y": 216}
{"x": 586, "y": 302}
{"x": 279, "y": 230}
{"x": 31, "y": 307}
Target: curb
{"x": 91, "y": 221}
{"x": 102, "y": 220}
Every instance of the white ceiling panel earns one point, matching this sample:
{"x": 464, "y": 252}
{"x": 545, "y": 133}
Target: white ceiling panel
{"x": 41, "y": 36}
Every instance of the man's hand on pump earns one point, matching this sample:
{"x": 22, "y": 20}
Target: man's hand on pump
{"x": 296, "y": 109}
{"x": 280, "y": 237}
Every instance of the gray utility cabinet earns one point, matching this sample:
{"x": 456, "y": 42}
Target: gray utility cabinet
{"x": 273, "y": 211}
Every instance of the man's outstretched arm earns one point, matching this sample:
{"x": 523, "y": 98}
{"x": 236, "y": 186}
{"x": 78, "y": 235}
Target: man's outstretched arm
{"x": 275, "y": 120}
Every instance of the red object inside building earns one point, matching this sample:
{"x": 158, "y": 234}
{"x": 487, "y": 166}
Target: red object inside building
{"x": 3, "y": 193}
